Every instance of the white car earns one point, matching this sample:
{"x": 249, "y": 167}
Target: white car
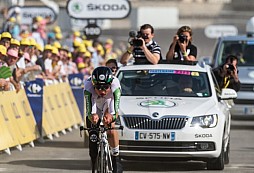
{"x": 164, "y": 117}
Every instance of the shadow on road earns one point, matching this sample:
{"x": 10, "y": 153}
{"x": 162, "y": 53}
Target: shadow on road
{"x": 55, "y": 164}
{"x": 61, "y": 144}
{"x": 127, "y": 165}
{"x": 163, "y": 166}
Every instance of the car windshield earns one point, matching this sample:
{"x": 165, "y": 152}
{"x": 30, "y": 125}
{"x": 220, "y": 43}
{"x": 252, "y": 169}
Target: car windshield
{"x": 244, "y": 50}
{"x": 163, "y": 82}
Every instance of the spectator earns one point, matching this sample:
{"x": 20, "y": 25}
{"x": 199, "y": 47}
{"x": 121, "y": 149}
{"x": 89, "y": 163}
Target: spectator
{"x": 31, "y": 70}
{"x": 4, "y": 81}
{"x": 148, "y": 53}
{"x": 11, "y": 60}
{"x": 109, "y": 52}
{"x": 47, "y": 58}
{"x": 15, "y": 44}
{"x": 182, "y": 48}
{"x": 5, "y": 39}
{"x": 227, "y": 74}
{"x": 3, "y": 54}
{"x": 112, "y": 64}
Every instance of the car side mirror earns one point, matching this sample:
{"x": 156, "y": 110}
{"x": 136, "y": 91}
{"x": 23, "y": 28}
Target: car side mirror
{"x": 227, "y": 94}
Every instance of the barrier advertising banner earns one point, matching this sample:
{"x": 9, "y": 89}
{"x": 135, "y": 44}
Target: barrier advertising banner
{"x": 76, "y": 83}
{"x": 34, "y": 91}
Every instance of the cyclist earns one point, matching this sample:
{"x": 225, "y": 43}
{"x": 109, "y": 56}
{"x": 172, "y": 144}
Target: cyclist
{"x": 102, "y": 94}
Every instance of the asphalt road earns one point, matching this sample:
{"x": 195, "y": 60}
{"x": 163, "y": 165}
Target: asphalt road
{"x": 67, "y": 154}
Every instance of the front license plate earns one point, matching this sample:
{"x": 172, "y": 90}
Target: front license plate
{"x": 248, "y": 111}
{"x": 155, "y": 136}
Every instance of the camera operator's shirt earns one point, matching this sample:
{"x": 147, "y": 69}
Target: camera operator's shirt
{"x": 97, "y": 104}
{"x": 225, "y": 81}
{"x": 139, "y": 54}
{"x": 190, "y": 49}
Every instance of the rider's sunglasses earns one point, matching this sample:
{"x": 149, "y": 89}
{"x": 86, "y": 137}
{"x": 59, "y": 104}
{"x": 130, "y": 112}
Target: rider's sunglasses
{"x": 102, "y": 87}
{"x": 113, "y": 68}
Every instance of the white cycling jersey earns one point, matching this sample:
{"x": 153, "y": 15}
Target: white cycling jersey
{"x": 97, "y": 104}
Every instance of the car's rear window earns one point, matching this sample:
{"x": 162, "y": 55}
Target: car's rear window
{"x": 163, "y": 82}
{"x": 244, "y": 50}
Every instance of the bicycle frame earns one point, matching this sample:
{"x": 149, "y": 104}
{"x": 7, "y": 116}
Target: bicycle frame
{"x": 104, "y": 161}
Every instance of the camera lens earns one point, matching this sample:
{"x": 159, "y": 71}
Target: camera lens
{"x": 137, "y": 42}
{"x": 182, "y": 38}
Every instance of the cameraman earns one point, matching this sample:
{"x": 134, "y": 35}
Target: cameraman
{"x": 148, "y": 52}
{"x": 181, "y": 48}
{"x": 227, "y": 74}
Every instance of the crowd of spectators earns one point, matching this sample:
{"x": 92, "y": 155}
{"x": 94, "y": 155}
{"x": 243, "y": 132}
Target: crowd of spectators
{"x": 41, "y": 50}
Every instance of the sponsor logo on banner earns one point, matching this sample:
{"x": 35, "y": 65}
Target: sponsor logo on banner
{"x": 76, "y": 80}
{"x": 98, "y": 9}
{"x": 34, "y": 88}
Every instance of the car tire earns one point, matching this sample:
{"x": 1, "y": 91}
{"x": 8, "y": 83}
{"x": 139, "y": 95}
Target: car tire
{"x": 227, "y": 152}
{"x": 217, "y": 163}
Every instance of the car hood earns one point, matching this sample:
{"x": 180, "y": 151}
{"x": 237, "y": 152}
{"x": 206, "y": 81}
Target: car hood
{"x": 165, "y": 105}
{"x": 246, "y": 74}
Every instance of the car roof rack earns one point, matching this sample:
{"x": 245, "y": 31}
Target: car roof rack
{"x": 180, "y": 62}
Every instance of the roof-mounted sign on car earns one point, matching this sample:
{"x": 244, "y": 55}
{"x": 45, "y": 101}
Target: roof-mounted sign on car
{"x": 178, "y": 62}
{"x": 98, "y": 9}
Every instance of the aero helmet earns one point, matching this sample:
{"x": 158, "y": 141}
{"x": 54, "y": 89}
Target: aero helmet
{"x": 102, "y": 76}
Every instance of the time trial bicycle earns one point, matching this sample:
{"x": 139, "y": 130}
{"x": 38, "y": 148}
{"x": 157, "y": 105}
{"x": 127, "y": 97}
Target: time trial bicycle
{"x": 104, "y": 161}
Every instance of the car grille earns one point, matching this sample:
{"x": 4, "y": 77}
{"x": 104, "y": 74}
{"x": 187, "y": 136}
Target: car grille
{"x": 166, "y": 146}
{"x": 247, "y": 87}
{"x": 244, "y": 101}
{"x": 145, "y": 122}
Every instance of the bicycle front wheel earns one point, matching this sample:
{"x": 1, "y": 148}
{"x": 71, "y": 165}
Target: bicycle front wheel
{"x": 103, "y": 161}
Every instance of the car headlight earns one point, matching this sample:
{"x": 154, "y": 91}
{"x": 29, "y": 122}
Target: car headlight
{"x": 205, "y": 121}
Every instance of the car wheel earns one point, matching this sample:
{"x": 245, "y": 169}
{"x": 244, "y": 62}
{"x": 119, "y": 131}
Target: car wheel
{"x": 226, "y": 153}
{"x": 217, "y": 163}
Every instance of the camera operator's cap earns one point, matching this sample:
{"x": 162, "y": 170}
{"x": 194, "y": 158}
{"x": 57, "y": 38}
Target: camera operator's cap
{"x": 15, "y": 42}
{"x": 3, "y": 50}
{"x": 6, "y": 35}
{"x": 25, "y": 42}
{"x": 48, "y": 47}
